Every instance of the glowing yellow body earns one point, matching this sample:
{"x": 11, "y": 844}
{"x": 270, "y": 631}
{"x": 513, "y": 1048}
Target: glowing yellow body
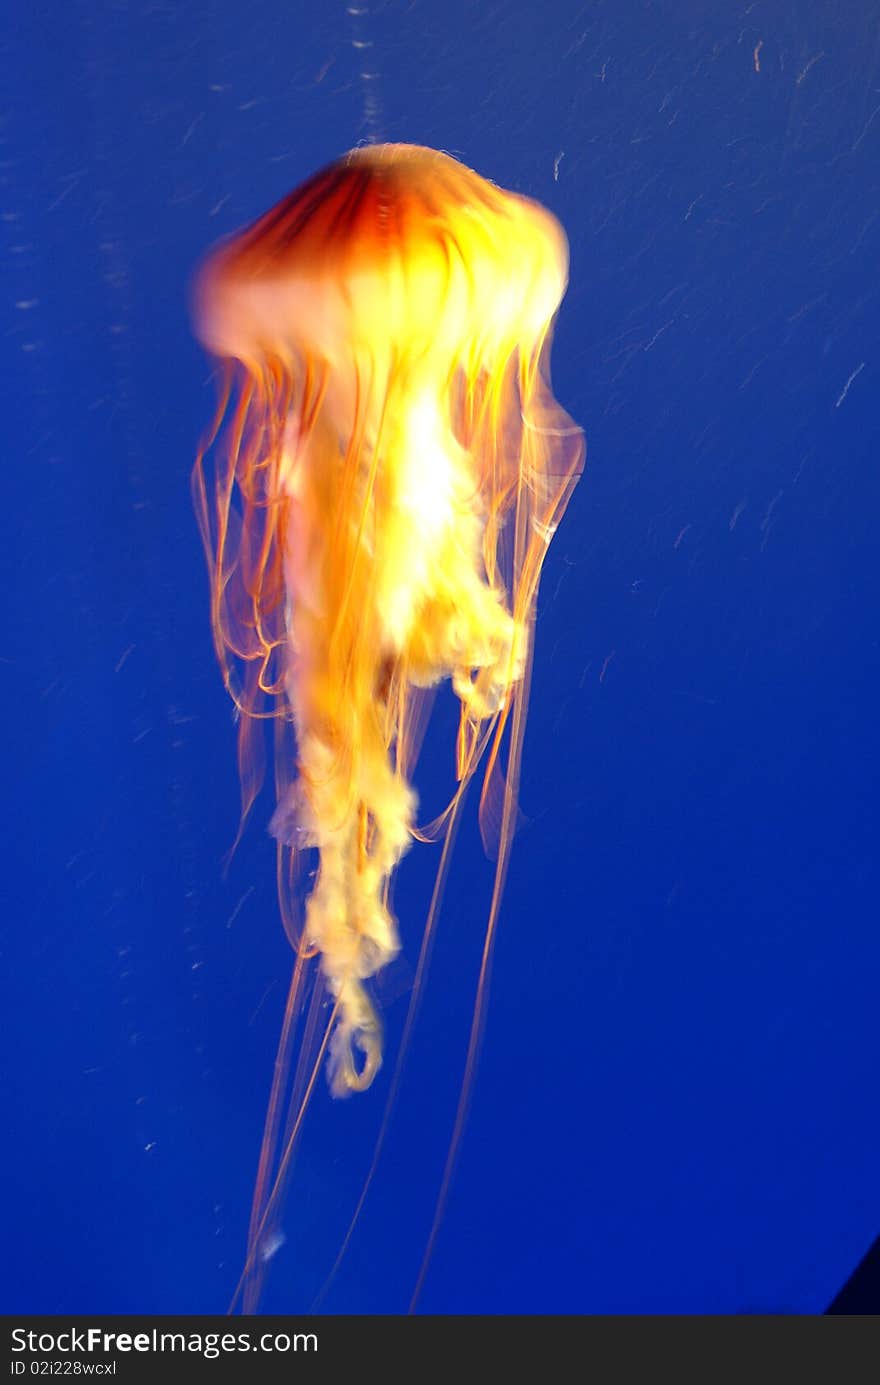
{"x": 401, "y": 466}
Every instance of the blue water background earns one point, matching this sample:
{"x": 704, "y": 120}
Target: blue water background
{"x": 676, "y": 1103}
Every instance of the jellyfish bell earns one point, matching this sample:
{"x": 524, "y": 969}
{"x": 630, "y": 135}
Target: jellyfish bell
{"x": 392, "y": 245}
{"x": 391, "y": 471}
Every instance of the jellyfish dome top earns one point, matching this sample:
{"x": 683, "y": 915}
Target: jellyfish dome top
{"x": 394, "y": 250}
{"x": 391, "y": 467}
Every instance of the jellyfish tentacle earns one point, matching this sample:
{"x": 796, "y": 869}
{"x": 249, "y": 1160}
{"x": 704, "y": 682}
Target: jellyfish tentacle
{"x": 483, "y": 684}
{"x": 359, "y": 818}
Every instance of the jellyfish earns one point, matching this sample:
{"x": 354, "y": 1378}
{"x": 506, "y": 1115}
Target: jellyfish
{"x": 391, "y": 467}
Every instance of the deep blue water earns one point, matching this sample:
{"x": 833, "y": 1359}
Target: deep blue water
{"x": 676, "y": 1103}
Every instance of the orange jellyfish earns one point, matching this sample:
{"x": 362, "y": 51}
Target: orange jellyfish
{"x": 391, "y": 466}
